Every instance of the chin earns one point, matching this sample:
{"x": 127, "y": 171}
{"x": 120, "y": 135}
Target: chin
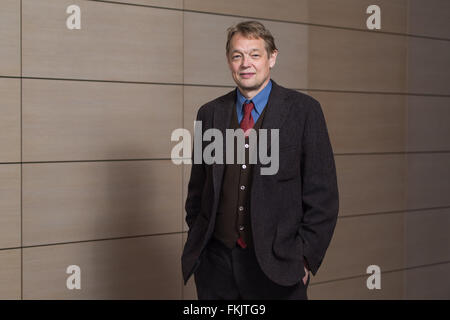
{"x": 249, "y": 85}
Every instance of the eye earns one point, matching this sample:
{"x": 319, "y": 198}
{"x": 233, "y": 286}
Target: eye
{"x": 235, "y": 56}
{"x": 255, "y": 56}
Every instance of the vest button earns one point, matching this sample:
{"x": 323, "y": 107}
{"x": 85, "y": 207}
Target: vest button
{"x": 242, "y": 187}
{"x": 241, "y": 228}
{"x": 241, "y": 208}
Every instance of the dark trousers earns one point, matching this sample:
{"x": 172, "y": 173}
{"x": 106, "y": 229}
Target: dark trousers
{"x": 234, "y": 274}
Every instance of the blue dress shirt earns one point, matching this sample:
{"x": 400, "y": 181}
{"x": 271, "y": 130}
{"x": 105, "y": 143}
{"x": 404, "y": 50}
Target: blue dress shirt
{"x": 260, "y": 101}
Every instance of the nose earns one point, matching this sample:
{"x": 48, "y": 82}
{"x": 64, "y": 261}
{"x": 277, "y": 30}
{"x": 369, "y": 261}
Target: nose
{"x": 245, "y": 62}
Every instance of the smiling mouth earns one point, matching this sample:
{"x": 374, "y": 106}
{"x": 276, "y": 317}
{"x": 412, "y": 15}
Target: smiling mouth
{"x": 246, "y": 75}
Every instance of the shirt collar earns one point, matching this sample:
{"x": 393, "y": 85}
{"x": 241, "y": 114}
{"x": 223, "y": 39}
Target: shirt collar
{"x": 260, "y": 100}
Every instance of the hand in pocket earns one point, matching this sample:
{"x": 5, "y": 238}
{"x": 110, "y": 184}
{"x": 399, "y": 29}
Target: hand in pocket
{"x": 305, "y": 278}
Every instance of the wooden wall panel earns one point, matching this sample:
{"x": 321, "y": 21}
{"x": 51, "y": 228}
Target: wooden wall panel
{"x": 281, "y": 10}
{"x": 158, "y": 3}
{"x": 343, "y": 13}
{"x": 136, "y": 268}
{"x": 10, "y": 220}
{"x": 428, "y": 123}
{"x": 95, "y": 200}
{"x": 428, "y": 66}
{"x": 428, "y": 180}
{"x": 429, "y": 282}
{"x": 116, "y": 42}
{"x": 427, "y": 237}
{"x": 359, "y": 242}
{"x": 10, "y": 120}
{"x": 429, "y": 18}
{"x": 371, "y": 183}
{"x": 10, "y": 38}
{"x": 352, "y": 13}
{"x": 10, "y": 274}
{"x": 78, "y": 120}
{"x": 195, "y": 97}
{"x": 356, "y": 61}
{"x": 356, "y": 288}
{"x": 186, "y": 176}
{"x": 364, "y": 123}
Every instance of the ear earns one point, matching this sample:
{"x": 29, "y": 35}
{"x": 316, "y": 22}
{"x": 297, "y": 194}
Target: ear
{"x": 273, "y": 59}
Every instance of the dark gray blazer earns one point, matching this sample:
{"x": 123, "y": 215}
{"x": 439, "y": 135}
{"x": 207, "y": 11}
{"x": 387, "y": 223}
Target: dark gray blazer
{"x": 294, "y": 212}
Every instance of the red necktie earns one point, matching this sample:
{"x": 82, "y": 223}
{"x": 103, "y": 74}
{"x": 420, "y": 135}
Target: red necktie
{"x": 247, "y": 122}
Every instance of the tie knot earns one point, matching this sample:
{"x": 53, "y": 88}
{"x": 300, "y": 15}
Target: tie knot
{"x": 248, "y": 107}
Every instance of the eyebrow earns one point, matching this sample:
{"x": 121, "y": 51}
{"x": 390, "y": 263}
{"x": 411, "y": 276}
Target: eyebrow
{"x": 238, "y": 51}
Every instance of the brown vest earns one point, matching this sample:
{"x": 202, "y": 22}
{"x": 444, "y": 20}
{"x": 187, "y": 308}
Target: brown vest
{"x": 233, "y": 214}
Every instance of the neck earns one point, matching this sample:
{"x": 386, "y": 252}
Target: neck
{"x": 249, "y": 94}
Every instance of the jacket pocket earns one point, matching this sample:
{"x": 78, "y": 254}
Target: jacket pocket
{"x": 289, "y": 164}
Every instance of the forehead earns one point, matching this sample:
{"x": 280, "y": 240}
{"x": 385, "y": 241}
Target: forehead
{"x": 241, "y": 42}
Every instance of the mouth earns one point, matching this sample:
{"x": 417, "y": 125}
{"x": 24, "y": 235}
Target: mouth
{"x": 247, "y": 75}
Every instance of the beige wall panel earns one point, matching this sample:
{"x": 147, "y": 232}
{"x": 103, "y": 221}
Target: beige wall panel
{"x": 116, "y": 42}
{"x": 189, "y": 290}
{"x": 137, "y": 268}
{"x": 429, "y": 18}
{"x": 352, "y": 13}
{"x": 343, "y": 13}
{"x": 9, "y": 120}
{"x": 79, "y": 120}
{"x": 427, "y": 237}
{"x": 204, "y": 50}
{"x": 355, "y": 60}
{"x": 359, "y": 123}
{"x": 158, "y": 3}
{"x": 186, "y": 177}
{"x": 195, "y": 97}
{"x": 428, "y": 66}
{"x": 10, "y": 38}
{"x": 429, "y": 282}
{"x": 428, "y": 123}
{"x": 355, "y": 288}
{"x": 428, "y": 180}
{"x": 371, "y": 183}
{"x": 10, "y": 274}
{"x": 94, "y": 200}
{"x": 9, "y": 205}
{"x": 359, "y": 242}
{"x": 288, "y": 10}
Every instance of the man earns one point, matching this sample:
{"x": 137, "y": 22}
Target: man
{"x": 254, "y": 236}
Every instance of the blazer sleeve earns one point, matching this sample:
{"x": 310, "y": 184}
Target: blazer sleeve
{"x": 195, "y": 185}
{"x": 320, "y": 198}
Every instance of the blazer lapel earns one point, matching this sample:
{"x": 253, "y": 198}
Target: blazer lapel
{"x": 278, "y": 108}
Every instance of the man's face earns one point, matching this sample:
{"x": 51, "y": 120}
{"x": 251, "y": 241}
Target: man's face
{"x": 249, "y": 63}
